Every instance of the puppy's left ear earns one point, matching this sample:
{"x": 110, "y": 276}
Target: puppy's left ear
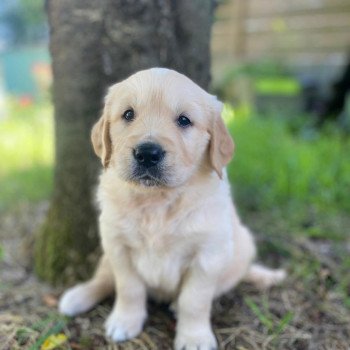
{"x": 221, "y": 144}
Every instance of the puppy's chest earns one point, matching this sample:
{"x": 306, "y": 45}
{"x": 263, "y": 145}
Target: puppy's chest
{"x": 147, "y": 228}
{"x": 161, "y": 270}
{"x": 156, "y": 247}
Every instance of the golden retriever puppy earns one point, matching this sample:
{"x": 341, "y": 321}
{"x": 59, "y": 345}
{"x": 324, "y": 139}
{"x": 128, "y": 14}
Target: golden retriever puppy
{"x": 168, "y": 226}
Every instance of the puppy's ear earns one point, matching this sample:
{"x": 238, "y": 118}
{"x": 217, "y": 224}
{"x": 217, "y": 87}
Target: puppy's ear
{"x": 100, "y": 136}
{"x": 221, "y": 144}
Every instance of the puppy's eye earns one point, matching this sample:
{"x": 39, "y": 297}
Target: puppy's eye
{"x": 129, "y": 115}
{"x": 183, "y": 121}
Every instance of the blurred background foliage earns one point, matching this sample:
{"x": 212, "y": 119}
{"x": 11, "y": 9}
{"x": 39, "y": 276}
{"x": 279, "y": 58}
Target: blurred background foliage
{"x": 283, "y": 161}
{"x": 274, "y": 165}
{"x": 26, "y": 150}
{"x": 22, "y": 22}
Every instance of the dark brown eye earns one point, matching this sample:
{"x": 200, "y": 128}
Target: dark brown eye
{"x": 129, "y": 115}
{"x": 183, "y": 121}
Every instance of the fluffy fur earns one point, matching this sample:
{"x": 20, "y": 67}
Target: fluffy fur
{"x": 177, "y": 238}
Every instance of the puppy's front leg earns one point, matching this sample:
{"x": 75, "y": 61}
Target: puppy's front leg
{"x": 129, "y": 311}
{"x": 193, "y": 313}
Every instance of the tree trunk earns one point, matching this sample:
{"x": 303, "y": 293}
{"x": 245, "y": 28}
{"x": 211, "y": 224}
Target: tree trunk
{"x": 93, "y": 45}
{"x": 69, "y": 235}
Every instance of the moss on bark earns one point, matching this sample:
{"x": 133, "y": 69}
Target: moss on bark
{"x": 61, "y": 258}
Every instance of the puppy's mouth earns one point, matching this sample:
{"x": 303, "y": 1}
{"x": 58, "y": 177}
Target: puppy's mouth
{"x": 148, "y": 177}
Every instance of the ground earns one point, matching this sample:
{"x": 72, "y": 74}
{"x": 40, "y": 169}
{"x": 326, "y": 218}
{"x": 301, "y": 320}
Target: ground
{"x": 308, "y": 311}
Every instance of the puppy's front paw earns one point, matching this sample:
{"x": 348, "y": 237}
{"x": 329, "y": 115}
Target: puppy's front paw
{"x": 122, "y": 326}
{"x": 77, "y": 300}
{"x": 195, "y": 341}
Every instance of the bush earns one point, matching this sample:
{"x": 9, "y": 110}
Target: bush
{"x": 274, "y": 167}
{"x": 26, "y": 151}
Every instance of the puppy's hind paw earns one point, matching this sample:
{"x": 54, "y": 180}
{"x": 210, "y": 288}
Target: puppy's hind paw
{"x": 77, "y": 300}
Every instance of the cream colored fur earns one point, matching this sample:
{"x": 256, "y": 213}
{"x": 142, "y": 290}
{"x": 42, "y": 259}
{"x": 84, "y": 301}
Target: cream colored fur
{"x": 181, "y": 242}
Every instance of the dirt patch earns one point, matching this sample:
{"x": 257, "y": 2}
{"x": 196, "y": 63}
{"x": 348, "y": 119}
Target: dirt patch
{"x": 309, "y": 311}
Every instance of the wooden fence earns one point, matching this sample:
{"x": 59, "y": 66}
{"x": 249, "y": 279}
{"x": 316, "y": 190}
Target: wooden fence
{"x": 309, "y": 35}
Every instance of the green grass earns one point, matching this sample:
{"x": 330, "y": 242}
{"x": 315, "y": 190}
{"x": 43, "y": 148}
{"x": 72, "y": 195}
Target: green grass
{"x": 34, "y": 336}
{"x": 275, "y": 167}
{"x": 26, "y": 153}
{"x": 291, "y": 184}
{"x": 265, "y": 317}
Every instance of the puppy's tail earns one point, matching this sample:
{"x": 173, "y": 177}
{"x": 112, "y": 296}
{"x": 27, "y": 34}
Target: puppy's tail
{"x": 263, "y": 277}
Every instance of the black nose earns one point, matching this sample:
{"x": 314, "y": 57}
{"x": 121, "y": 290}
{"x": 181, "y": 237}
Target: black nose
{"x": 148, "y": 154}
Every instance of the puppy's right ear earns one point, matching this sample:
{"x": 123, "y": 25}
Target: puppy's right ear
{"x": 100, "y": 137}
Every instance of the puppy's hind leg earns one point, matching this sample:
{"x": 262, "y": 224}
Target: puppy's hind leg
{"x": 85, "y": 296}
{"x": 263, "y": 277}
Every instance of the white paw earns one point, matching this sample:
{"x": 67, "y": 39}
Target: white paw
{"x": 76, "y": 300}
{"x": 120, "y": 327}
{"x": 195, "y": 341}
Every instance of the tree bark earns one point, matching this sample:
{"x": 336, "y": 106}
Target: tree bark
{"x": 94, "y": 44}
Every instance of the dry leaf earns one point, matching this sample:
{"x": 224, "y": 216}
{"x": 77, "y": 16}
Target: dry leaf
{"x": 53, "y": 341}
{"x": 50, "y": 300}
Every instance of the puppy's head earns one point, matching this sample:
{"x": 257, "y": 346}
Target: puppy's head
{"x": 159, "y": 128}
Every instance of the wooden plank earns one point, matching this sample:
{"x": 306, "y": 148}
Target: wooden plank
{"x": 289, "y": 42}
{"x": 258, "y": 8}
{"x": 318, "y": 21}
{"x": 238, "y": 26}
{"x": 221, "y": 27}
{"x": 222, "y": 43}
{"x": 312, "y": 59}
{"x": 229, "y": 28}
{"x": 225, "y": 10}
{"x": 297, "y": 32}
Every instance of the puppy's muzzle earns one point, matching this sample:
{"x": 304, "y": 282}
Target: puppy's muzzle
{"x": 148, "y": 166}
{"x": 148, "y": 155}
